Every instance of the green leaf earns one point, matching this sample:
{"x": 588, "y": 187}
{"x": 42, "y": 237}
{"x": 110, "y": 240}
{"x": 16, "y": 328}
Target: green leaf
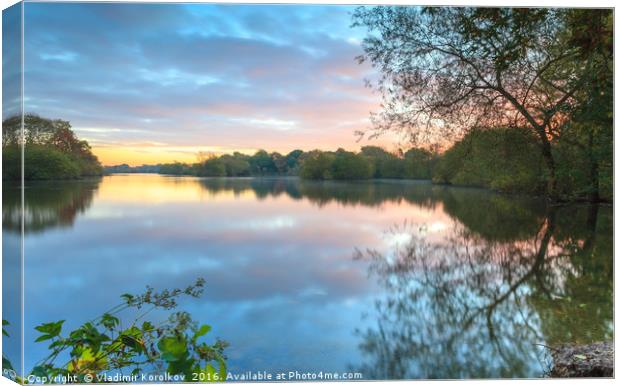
{"x": 53, "y": 328}
{"x": 4, "y": 323}
{"x": 132, "y": 342}
{"x": 222, "y": 370}
{"x": 44, "y": 338}
{"x": 109, "y": 321}
{"x": 147, "y": 326}
{"x": 181, "y": 366}
{"x": 203, "y": 330}
{"x": 172, "y": 348}
{"x": 6, "y": 364}
{"x": 128, "y": 298}
{"x": 39, "y": 371}
{"x": 210, "y": 370}
{"x": 57, "y": 343}
{"x": 579, "y": 356}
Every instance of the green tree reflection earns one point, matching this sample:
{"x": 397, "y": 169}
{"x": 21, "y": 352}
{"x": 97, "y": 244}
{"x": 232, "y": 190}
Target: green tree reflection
{"x": 474, "y": 306}
{"x": 46, "y": 205}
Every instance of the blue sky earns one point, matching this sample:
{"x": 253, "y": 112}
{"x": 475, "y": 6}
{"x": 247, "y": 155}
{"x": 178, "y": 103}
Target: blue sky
{"x": 145, "y": 82}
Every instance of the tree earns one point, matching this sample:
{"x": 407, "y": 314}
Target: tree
{"x": 590, "y": 129}
{"x": 279, "y": 162}
{"x": 317, "y": 165}
{"x": 419, "y": 163}
{"x": 506, "y": 160}
{"x": 350, "y": 166}
{"x": 212, "y": 167}
{"x": 385, "y": 164}
{"x": 235, "y": 165}
{"x": 450, "y": 70}
{"x": 51, "y": 149}
{"x": 261, "y": 163}
{"x": 292, "y": 159}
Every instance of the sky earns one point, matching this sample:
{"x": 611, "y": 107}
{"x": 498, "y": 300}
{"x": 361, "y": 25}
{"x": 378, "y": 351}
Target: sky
{"x": 148, "y": 83}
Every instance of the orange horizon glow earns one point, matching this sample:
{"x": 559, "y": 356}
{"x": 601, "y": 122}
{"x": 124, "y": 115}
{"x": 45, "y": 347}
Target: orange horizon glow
{"x": 137, "y": 155}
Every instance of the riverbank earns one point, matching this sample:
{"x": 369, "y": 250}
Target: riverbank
{"x": 586, "y": 360}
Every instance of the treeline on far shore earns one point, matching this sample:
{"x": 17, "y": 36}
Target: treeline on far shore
{"x": 506, "y": 160}
{"x": 370, "y": 162}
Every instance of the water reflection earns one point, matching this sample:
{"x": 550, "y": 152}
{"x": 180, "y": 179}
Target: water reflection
{"x": 46, "y": 204}
{"x": 465, "y": 285}
{"x": 479, "y": 305}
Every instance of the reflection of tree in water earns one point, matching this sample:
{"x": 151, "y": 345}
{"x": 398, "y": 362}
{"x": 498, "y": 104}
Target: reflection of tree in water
{"x": 47, "y": 205}
{"x": 350, "y": 193}
{"x": 262, "y": 187}
{"x": 476, "y": 306}
{"x": 583, "y": 312}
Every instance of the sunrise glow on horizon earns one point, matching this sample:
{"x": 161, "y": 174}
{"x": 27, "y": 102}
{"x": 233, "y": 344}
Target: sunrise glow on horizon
{"x": 150, "y": 155}
{"x": 156, "y": 83}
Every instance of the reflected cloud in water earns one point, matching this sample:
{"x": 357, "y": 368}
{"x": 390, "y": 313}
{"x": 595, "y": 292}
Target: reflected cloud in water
{"x": 282, "y": 287}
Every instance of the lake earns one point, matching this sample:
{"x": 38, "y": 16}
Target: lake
{"x": 392, "y": 279}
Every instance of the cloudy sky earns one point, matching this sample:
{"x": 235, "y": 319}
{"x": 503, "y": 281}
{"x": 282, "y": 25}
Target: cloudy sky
{"x": 145, "y": 83}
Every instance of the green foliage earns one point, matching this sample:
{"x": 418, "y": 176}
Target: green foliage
{"x": 261, "y": 163}
{"x": 212, "y": 167}
{"x": 40, "y": 163}
{"x": 419, "y": 164}
{"x": 351, "y": 166}
{"x": 51, "y": 150}
{"x": 226, "y": 165}
{"x": 106, "y": 345}
{"x": 177, "y": 168}
{"x": 11, "y": 163}
{"x": 385, "y": 164}
{"x": 370, "y": 162}
{"x": 552, "y": 77}
{"x": 506, "y": 160}
{"x": 317, "y": 165}
{"x": 292, "y": 160}
{"x": 6, "y": 364}
{"x": 236, "y": 165}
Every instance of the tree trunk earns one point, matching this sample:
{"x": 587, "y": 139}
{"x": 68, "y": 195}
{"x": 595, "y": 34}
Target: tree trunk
{"x": 593, "y": 194}
{"x": 552, "y": 183}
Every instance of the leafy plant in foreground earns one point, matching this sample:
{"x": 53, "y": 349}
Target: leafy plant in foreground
{"x": 106, "y": 346}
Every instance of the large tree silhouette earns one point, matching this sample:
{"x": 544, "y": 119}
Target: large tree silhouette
{"x": 447, "y": 70}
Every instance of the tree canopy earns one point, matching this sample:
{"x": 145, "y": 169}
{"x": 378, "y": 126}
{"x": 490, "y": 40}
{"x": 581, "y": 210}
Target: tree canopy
{"x": 51, "y": 149}
{"x": 448, "y": 70}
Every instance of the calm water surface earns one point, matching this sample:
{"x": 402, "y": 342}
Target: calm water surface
{"x": 393, "y": 279}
